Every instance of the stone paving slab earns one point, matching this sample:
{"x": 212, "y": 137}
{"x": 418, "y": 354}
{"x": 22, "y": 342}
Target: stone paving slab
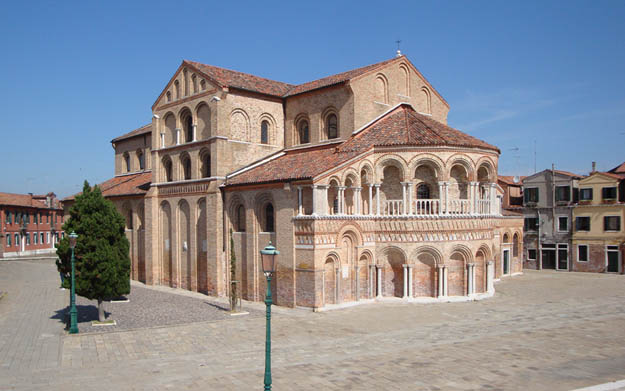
{"x": 542, "y": 331}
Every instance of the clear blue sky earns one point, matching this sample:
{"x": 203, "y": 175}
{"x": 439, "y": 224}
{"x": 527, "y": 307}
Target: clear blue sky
{"x": 76, "y": 74}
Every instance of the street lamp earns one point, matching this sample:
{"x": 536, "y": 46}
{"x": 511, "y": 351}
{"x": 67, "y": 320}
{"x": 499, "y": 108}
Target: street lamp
{"x": 73, "y": 313}
{"x": 268, "y": 255}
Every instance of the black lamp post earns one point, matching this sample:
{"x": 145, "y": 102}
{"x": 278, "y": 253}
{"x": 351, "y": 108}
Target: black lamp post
{"x": 268, "y": 255}
{"x": 73, "y": 313}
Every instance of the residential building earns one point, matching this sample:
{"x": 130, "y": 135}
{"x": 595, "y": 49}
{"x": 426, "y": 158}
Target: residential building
{"x": 29, "y": 224}
{"x": 599, "y": 235}
{"x": 548, "y": 200}
{"x": 511, "y": 187}
{"x": 355, "y": 178}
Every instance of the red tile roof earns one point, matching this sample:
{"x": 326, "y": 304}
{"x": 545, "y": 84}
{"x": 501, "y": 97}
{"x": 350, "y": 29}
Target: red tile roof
{"x": 126, "y": 185}
{"x": 23, "y": 200}
{"x": 620, "y": 169}
{"x": 245, "y": 81}
{"x": 137, "y": 132}
{"x": 336, "y": 79}
{"x": 229, "y": 78}
{"x": 612, "y": 175}
{"x": 294, "y": 165}
{"x": 404, "y": 126}
{"x": 509, "y": 179}
{"x": 400, "y": 126}
{"x": 568, "y": 174}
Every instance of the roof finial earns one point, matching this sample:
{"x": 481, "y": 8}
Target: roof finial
{"x": 398, "y": 51}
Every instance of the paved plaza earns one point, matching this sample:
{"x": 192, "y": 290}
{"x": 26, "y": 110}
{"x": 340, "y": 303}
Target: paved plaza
{"x": 541, "y": 331}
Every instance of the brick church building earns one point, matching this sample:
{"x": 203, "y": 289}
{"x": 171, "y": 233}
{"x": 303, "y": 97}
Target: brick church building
{"x": 355, "y": 178}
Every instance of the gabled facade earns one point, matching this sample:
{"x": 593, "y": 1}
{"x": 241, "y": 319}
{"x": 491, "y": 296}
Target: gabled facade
{"x": 548, "y": 200}
{"x": 599, "y": 234}
{"x": 356, "y": 179}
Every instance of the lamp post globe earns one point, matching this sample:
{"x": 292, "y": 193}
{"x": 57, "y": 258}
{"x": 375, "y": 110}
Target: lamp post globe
{"x": 268, "y": 255}
{"x": 73, "y": 312}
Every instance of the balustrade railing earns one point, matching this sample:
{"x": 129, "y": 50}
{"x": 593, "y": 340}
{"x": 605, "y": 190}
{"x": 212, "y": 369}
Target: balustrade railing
{"x": 393, "y": 207}
{"x": 458, "y": 207}
{"x": 426, "y": 207}
{"x": 483, "y": 207}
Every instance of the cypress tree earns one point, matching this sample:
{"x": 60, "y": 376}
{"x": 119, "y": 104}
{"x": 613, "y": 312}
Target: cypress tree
{"x": 102, "y": 249}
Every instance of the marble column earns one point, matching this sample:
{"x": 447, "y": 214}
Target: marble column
{"x": 411, "y": 280}
{"x": 470, "y": 281}
{"x": 194, "y": 132}
{"x": 446, "y": 184}
{"x": 162, "y": 140}
{"x": 372, "y": 277}
{"x": 177, "y": 136}
{"x": 357, "y": 201}
{"x": 370, "y": 206}
{"x": 405, "y": 267}
{"x": 315, "y": 207}
{"x": 441, "y": 281}
{"x": 377, "y": 199}
{"x": 490, "y": 277}
{"x": 410, "y": 195}
{"x": 404, "y": 198}
{"x": 378, "y": 284}
{"x": 493, "y": 197}
{"x": 299, "y": 201}
{"x": 341, "y": 195}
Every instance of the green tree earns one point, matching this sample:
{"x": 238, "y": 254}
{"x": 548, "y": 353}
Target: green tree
{"x": 102, "y": 249}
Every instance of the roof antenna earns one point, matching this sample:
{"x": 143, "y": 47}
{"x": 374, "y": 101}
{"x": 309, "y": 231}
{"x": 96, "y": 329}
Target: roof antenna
{"x": 398, "y": 51}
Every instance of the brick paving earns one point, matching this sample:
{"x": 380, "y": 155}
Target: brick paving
{"x": 153, "y": 308}
{"x": 542, "y": 331}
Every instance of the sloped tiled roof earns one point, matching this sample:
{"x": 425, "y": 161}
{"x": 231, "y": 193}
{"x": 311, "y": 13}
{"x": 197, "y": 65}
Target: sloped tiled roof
{"x": 509, "y": 179}
{"x": 400, "y": 126}
{"x": 126, "y": 185}
{"x": 613, "y": 175}
{"x": 404, "y": 126}
{"x": 245, "y": 81}
{"x": 567, "y": 173}
{"x": 294, "y": 165}
{"x": 24, "y": 200}
{"x": 620, "y": 169}
{"x": 137, "y": 132}
{"x": 335, "y": 79}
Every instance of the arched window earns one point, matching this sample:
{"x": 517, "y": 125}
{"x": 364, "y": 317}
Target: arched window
{"x": 194, "y": 81}
{"x": 186, "y": 165}
{"x": 203, "y": 85}
{"x": 332, "y": 126}
{"x": 188, "y": 128}
{"x": 264, "y": 132}
{"x": 240, "y": 222}
{"x": 423, "y": 192}
{"x": 303, "y": 132}
{"x": 168, "y": 96}
{"x": 126, "y": 162}
{"x": 168, "y": 170}
{"x": 141, "y": 159}
{"x": 269, "y": 222}
{"x": 206, "y": 165}
{"x": 177, "y": 89}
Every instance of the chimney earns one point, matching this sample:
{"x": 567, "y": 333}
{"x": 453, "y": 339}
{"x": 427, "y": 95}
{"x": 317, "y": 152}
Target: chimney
{"x": 594, "y": 167}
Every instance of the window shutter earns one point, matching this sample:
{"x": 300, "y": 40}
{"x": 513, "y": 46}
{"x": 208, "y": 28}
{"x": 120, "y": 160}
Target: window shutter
{"x": 575, "y": 194}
